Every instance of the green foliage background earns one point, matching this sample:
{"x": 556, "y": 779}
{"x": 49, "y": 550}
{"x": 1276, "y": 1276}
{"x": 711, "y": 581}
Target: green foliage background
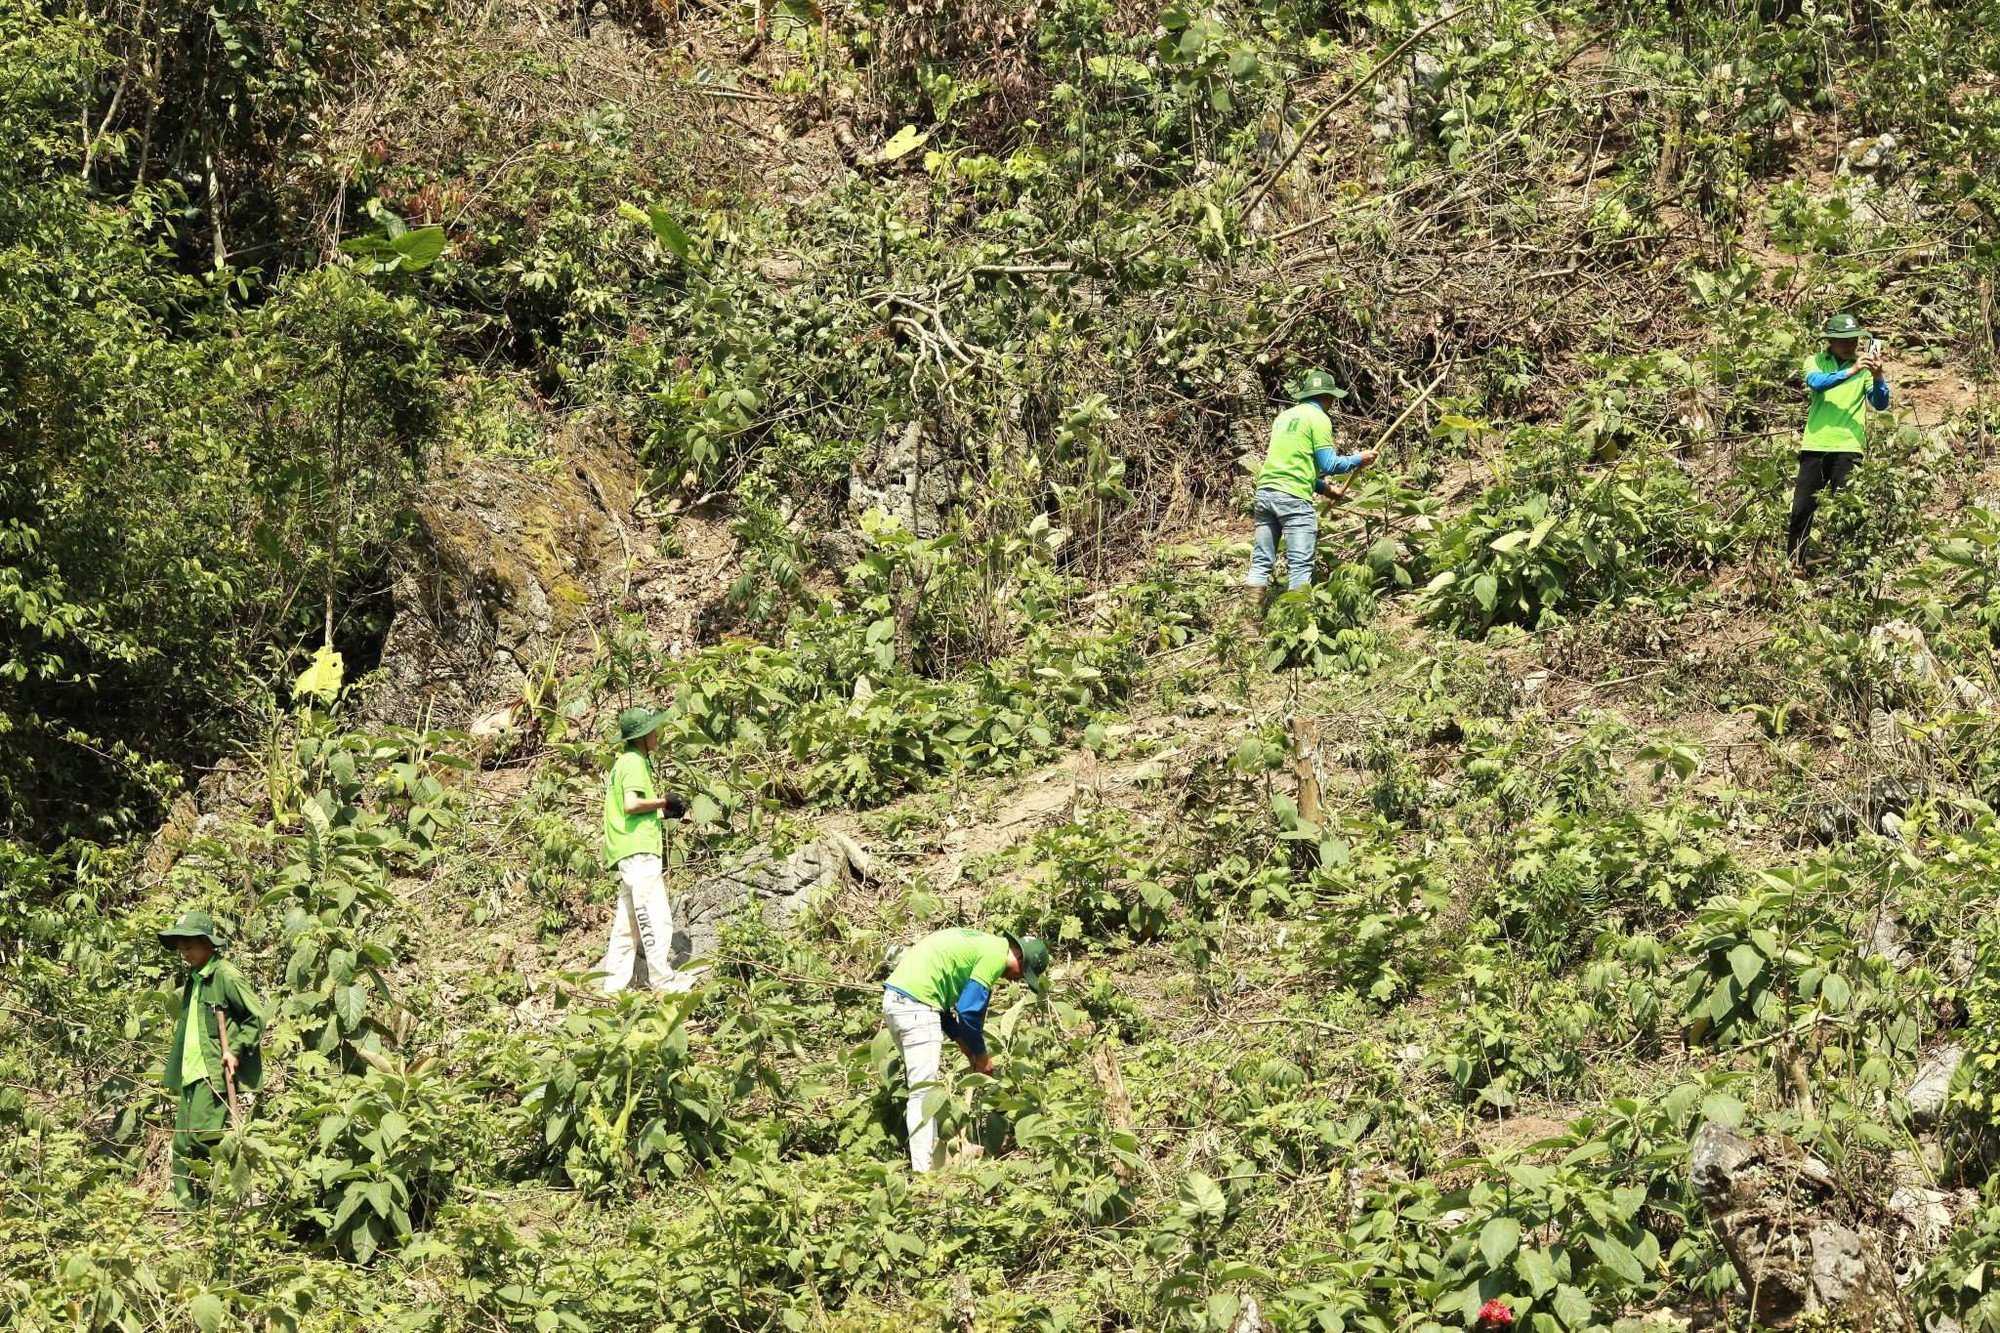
{"x": 265, "y": 267}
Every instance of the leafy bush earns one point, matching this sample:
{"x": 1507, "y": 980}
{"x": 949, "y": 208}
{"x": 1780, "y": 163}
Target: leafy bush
{"x": 858, "y": 728}
{"x": 383, "y": 802}
{"x": 1318, "y": 628}
{"x": 387, "y": 1147}
{"x": 1979, "y": 1090}
{"x": 1529, "y": 557}
{"x": 617, "y": 1101}
{"x": 1958, "y": 1282}
{"x": 1570, "y": 875}
{"x": 1502, "y": 1049}
{"x": 1376, "y": 910}
{"x": 1090, "y": 884}
{"x": 1770, "y": 956}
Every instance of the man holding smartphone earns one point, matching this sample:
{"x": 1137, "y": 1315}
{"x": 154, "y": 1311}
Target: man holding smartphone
{"x": 1836, "y": 420}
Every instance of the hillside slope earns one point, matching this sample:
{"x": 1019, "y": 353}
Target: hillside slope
{"x": 1563, "y": 902}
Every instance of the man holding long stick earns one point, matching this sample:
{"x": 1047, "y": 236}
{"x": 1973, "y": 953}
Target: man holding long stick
{"x": 1300, "y": 464}
{"x": 217, "y": 1048}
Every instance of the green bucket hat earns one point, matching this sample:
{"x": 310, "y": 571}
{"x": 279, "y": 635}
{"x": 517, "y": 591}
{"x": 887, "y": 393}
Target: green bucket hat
{"x": 1034, "y": 957}
{"x": 1844, "y": 325}
{"x": 192, "y": 926}
{"x": 636, "y": 722}
{"x": 1313, "y": 384}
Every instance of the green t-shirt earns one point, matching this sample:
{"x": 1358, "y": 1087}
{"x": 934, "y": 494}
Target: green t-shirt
{"x": 1289, "y": 465}
{"x": 629, "y": 835}
{"x": 1837, "y": 422}
{"x": 193, "y": 1067}
{"x": 937, "y": 966}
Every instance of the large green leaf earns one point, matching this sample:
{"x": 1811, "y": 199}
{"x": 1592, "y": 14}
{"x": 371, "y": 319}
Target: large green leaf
{"x": 1615, "y": 1255}
{"x": 350, "y": 1005}
{"x": 1202, "y": 1199}
{"x": 903, "y": 142}
{"x": 1537, "y": 1268}
{"x": 419, "y": 249}
{"x": 1572, "y": 1307}
{"x": 321, "y": 680}
{"x": 669, "y": 232}
{"x": 351, "y": 1199}
{"x": 1498, "y": 1239}
{"x": 405, "y": 251}
{"x": 1723, "y": 1109}
{"x": 206, "y": 1310}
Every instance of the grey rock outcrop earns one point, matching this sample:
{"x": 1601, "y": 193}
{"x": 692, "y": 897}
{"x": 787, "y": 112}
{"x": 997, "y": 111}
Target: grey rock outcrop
{"x": 506, "y": 560}
{"x": 1249, "y": 1318}
{"x": 1406, "y": 99}
{"x": 1890, "y": 939}
{"x": 1875, "y": 156}
{"x": 1931, "y": 1088}
{"x": 779, "y": 887}
{"x": 907, "y": 475}
{"x": 1871, "y": 181}
{"x": 1781, "y": 1218}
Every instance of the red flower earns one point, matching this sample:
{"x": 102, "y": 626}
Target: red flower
{"x": 1495, "y": 1315}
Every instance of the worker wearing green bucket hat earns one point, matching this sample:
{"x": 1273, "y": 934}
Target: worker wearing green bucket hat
{"x": 216, "y": 1049}
{"x": 642, "y": 924}
{"x": 1298, "y": 465}
{"x": 1841, "y": 383}
{"x": 941, "y": 988}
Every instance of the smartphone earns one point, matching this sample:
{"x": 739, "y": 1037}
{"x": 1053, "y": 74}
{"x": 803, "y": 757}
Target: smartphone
{"x": 1874, "y": 347}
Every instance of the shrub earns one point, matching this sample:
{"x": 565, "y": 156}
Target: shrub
{"x": 616, "y": 1100}
{"x": 386, "y": 1148}
{"x": 1318, "y": 628}
{"x": 1529, "y": 557}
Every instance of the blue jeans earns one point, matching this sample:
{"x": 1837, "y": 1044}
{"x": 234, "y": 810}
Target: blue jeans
{"x": 1297, "y": 521}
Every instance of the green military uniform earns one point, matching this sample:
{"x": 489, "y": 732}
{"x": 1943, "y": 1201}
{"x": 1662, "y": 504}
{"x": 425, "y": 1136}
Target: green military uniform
{"x": 194, "y": 1060}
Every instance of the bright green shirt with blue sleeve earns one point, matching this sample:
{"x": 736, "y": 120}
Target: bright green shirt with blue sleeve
{"x": 1302, "y": 452}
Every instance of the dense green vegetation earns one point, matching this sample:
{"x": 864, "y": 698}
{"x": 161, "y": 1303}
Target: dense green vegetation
{"x": 1599, "y": 825}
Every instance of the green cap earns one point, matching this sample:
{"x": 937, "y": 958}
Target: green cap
{"x": 636, "y": 722}
{"x": 192, "y": 926}
{"x": 1843, "y": 325}
{"x": 1314, "y": 384}
{"x": 1034, "y": 956}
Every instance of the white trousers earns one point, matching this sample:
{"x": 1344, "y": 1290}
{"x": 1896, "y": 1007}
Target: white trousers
{"x": 919, "y": 1035}
{"x": 642, "y": 923}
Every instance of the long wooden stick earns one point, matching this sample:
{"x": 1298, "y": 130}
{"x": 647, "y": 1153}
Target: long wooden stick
{"x": 1396, "y": 425}
{"x": 228, "y": 1075}
{"x": 1415, "y": 403}
{"x": 1305, "y": 135}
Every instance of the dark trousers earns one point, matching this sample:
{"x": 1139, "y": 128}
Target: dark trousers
{"x": 1818, "y": 472}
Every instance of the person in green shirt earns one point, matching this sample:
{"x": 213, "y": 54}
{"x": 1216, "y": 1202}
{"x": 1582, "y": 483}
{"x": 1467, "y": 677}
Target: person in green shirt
{"x": 200, "y": 1070}
{"x": 633, "y": 846}
{"x": 941, "y": 988}
{"x": 1836, "y": 420}
{"x": 1297, "y": 466}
